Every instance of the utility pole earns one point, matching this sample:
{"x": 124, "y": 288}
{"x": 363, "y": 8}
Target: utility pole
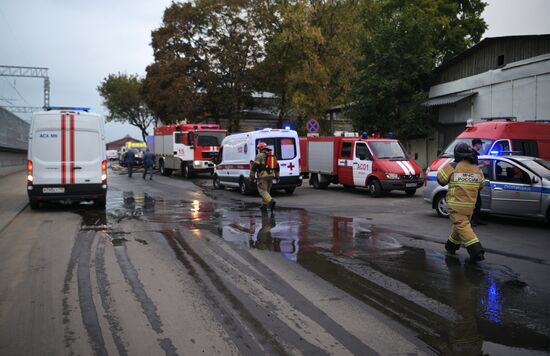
{"x": 27, "y": 72}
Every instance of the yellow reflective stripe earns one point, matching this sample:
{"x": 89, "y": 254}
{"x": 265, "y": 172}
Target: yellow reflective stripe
{"x": 442, "y": 172}
{"x": 454, "y": 241}
{"x": 459, "y": 203}
{"x": 453, "y": 182}
{"x": 471, "y": 242}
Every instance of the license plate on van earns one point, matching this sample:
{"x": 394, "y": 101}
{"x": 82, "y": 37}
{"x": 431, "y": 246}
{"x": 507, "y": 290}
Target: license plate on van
{"x": 53, "y": 190}
{"x": 410, "y": 185}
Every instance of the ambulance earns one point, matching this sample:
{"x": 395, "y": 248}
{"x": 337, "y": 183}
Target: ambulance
{"x": 381, "y": 165}
{"x": 187, "y": 148}
{"x": 66, "y": 157}
{"x": 500, "y": 136}
{"x": 237, "y": 154}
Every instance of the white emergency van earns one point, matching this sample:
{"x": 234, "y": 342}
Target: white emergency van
{"x": 66, "y": 157}
{"x": 238, "y": 151}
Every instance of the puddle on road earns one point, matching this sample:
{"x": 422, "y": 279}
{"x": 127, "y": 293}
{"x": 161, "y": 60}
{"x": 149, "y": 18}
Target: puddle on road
{"x": 453, "y": 305}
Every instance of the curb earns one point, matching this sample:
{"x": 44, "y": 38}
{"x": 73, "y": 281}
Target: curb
{"x": 2, "y": 228}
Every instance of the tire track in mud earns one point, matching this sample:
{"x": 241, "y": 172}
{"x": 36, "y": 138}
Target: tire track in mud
{"x": 80, "y": 261}
{"x": 149, "y": 308}
{"x": 263, "y": 326}
{"x": 294, "y": 298}
{"x": 237, "y": 323}
{"x": 105, "y": 295}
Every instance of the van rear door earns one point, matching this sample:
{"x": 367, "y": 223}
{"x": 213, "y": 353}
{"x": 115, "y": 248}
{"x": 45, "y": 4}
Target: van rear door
{"x": 85, "y": 147}
{"x": 45, "y": 149}
{"x": 67, "y": 148}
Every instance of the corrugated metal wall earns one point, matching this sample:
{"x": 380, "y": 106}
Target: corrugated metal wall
{"x": 14, "y": 140}
{"x": 486, "y": 57}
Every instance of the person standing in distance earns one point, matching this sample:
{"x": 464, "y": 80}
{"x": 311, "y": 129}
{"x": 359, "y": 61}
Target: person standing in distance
{"x": 465, "y": 180}
{"x": 148, "y": 163}
{"x": 129, "y": 159}
{"x": 264, "y": 170}
{"x": 476, "y": 146}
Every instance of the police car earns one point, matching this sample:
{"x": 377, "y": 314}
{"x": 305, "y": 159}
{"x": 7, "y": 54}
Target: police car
{"x": 514, "y": 186}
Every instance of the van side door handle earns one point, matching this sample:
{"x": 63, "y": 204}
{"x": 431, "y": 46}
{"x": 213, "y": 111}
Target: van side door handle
{"x": 497, "y": 189}
{"x": 77, "y": 167}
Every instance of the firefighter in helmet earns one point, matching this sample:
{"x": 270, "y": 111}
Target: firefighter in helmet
{"x": 265, "y": 169}
{"x": 465, "y": 180}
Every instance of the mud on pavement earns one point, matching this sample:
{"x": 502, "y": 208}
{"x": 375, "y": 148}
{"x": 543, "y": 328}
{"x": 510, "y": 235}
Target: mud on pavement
{"x": 289, "y": 282}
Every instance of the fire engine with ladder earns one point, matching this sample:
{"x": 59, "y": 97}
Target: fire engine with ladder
{"x": 187, "y": 148}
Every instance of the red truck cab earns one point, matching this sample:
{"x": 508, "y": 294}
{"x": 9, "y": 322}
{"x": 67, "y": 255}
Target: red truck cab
{"x": 381, "y": 165}
{"x": 501, "y": 136}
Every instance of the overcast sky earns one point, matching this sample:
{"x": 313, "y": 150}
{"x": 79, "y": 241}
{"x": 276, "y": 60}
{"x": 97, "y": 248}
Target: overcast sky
{"x": 81, "y": 42}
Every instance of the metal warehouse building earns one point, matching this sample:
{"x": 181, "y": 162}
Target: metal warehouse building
{"x": 501, "y": 76}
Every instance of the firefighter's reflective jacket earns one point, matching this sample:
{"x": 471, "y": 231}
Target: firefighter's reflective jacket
{"x": 259, "y": 167}
{"x": 464, "y": 180}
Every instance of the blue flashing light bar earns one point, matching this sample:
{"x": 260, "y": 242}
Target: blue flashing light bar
{"x": 68, "y": 108}
{"x": 494, "y": 153}
{"x": 287, "y": 127}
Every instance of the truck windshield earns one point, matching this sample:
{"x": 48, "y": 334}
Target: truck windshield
{"x": 388, "y": 149}
{"x": 210, "y": 138}
{"x": 449, "y": 151}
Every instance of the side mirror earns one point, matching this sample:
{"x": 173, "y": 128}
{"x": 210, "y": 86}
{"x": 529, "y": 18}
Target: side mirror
{"x": 535, "y": 180}
{"x": 216, "y": 158}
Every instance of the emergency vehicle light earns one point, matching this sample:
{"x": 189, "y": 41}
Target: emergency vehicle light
{"x": 68, "y": 108}
{"x": 287, "y": 127}
{"x": 494, "y": 153}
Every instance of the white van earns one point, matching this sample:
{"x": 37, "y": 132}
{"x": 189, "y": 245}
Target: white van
{"x": 238, "y": 151}
{"x": 66, "y": 157}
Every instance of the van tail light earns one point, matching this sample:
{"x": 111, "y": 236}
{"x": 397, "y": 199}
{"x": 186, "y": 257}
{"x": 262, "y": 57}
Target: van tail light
{"x": 30, "y": 177}
{"x": 104, "y": 172}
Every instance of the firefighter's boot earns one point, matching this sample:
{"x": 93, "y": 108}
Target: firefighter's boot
{"x": 476, "y": 251}
{"x": 271, "y": 205}
{"x": 451, "y": 247}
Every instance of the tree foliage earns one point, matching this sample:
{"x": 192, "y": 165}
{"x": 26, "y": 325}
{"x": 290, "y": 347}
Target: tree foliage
{"x": 122, "y": 98}
{"x": 310, "y": 55}
{"x": 205, "y": 55}
{"x": 401, "y": 43}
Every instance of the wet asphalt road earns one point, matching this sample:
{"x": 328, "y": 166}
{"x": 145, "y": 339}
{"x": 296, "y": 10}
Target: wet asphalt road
{"x": 173, "y": 267}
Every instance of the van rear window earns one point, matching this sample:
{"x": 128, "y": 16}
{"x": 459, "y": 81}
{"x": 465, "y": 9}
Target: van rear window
{"x": 46, "y": 146}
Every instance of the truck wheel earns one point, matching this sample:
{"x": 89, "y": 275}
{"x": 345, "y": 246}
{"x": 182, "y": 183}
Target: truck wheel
{"x": 216, "y": 182}
{"x": 290, "y": 190}
{"x": 375, "y": 188}
{"x": 187, "y": 171}
{"x": 440, "y": 204}
{"x": 35, "y": 204}
{"x": 314, "y": 181}
{"x": 243, "y": 187}
{"x": 101, "y": 203}
{"x": 410, "y": 192}
{"x": 164, "y": 171}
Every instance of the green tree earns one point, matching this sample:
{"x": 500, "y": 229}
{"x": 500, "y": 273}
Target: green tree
{"x": 310, "y": 56}
{"x": 121, "y": 96}
{"x": 205, "y": 54}
{"x": 401, "y": 43}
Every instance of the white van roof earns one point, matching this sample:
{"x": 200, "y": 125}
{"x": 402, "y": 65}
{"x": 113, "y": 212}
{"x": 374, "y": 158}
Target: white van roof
{"x": 268, "y": 132}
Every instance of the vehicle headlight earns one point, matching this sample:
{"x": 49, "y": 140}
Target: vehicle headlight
{"x": 196, "y": 163}
{"x": 392, "y": 175}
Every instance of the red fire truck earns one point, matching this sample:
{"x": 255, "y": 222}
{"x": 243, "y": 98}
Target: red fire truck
{"x": 187, "y": 148}
{"x": 379, "y": 164}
